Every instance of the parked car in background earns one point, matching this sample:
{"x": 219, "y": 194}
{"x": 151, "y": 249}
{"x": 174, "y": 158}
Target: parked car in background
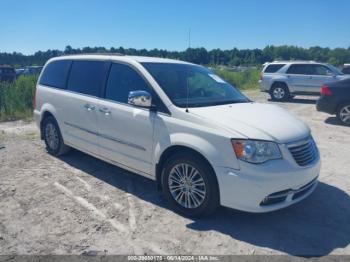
{"x": 178, "y": 123}
{"x": 284, "y": 79}
{"x": 335, "y": 99}
{"x": 32, "y": 70}
{"x": 346, "y": 69}
{"x": 19, "y": 71}
{"x": 7, "y": 73}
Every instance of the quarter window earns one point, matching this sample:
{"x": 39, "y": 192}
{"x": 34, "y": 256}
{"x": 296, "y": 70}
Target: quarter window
{"x": 55, "y": 74}
{"x": 88, "y": 77}
{"x": 123, "y": 79}
{"x": 273, "y": 68}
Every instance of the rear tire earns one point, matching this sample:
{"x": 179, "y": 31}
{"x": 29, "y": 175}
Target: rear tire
{"x": 53, "y": 137}
{"x": 279, "y": 92}
{"x": 343, "y": 113}
{"x": 189, "y": 184}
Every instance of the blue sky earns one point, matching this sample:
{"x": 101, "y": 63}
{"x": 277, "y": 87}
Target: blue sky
{"x": 32, "y": 25}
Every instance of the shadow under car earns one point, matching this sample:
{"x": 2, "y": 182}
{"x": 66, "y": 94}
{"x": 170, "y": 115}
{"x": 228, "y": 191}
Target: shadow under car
{"x": 314, "y": 227}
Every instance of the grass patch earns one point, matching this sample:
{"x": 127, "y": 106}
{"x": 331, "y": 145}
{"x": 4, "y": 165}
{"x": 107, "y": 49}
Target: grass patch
{"x": 246, "y": 80}
{"x": 16, "y": 98}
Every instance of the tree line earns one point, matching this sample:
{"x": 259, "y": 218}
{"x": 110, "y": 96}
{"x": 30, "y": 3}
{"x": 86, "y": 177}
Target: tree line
{"x": 232, "y": 57}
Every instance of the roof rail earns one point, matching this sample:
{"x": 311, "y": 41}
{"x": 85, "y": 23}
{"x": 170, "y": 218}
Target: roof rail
{"x": 292, "y": 61}
{"x": 107, "y": 54}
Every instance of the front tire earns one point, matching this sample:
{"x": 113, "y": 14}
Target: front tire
{"x": 53, "y": 137}
{"x": 279, "y": 92}
{"x": 343, "y": 114}
{"x": 190, "y": 185}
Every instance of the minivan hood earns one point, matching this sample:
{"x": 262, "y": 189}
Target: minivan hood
{"x": 255, "y": 121}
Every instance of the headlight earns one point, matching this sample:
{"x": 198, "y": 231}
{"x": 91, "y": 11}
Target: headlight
{"x": 255, "y": 151}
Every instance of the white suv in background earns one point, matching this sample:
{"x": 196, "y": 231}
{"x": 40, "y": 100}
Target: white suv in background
{"x": 284, "y": 79}
{"x": 198, "y": 137}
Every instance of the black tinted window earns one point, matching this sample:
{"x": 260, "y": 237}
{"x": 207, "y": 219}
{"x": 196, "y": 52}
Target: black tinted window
{"x": 300, "y": 70}
{"x": 123, "y": 79}
{"x": 273, "y": 68}
{"x": 55, "y": 74}
{"x": 87, "y": 77}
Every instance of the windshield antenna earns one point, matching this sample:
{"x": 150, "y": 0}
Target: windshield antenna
{"x": 187, "y": 89}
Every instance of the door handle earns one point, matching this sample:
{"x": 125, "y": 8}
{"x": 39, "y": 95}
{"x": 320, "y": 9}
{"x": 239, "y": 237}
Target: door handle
{"x": 89, "y": 107}
{"x": 105, "y": 111}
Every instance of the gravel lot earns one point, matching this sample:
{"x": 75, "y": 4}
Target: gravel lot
{"x": 77, "y": 204}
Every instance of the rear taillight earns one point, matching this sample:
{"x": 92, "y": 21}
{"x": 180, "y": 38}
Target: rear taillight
{"x": 34, "y": 98}
{"x": 325, "y": 91}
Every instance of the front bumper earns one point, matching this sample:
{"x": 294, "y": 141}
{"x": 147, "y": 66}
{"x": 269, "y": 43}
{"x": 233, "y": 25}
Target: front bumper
{"x": 248, "y": 188}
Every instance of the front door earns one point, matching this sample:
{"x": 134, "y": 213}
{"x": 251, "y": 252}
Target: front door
{"x": 125, "y": 131}
{"x": 320, "y": 76}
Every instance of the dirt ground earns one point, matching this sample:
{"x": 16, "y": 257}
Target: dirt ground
{"x": 77, "y": 204}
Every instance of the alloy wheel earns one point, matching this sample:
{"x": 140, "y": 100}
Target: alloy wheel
{"x": 51, "y": 136}
{"x": 187, "y": 185}
{"x": 345, "y": 114}
{"x": 279, "y": 93}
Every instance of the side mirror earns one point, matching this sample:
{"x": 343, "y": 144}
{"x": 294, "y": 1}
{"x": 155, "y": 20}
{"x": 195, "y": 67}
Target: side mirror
{"x": 140, "y": 98}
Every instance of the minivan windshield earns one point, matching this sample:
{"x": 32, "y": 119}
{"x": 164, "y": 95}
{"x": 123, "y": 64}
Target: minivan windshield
{"x": 189, "y": 85}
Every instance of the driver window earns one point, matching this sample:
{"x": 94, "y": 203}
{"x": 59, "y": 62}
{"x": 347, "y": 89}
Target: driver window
{"x": 123, "y": 79}
{"x": 320, "y": 70}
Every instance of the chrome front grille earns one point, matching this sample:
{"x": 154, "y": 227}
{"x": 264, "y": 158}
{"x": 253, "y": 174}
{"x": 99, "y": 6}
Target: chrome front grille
{"x": 304, "y": 152}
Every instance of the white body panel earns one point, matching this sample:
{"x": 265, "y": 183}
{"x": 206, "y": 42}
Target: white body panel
{"x": 126, "y": 135}
{"x": 135, "y": 138}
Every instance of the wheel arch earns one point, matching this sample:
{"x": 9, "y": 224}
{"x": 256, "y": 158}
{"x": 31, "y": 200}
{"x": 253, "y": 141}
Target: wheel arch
{"x": 174, "y": 149}
{"x": 342, "y": 103}
{"x": 45, "y": 113}
{"x": 279, "y": 82}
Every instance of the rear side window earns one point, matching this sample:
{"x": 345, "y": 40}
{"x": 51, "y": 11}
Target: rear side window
{"x": 88, "y": 77}
{"x": 300, "y": 70}
{"x": 55, "y": 74}
{"x": 273, "y": 68}
{"x": 123, "y": 79}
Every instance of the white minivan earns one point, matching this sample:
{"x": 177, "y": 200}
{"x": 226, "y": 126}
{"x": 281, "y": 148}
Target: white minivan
{"x": 202, "y": 141}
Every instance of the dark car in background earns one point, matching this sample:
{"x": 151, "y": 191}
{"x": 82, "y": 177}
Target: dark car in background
{"x": 7, "y": 73}
{"x": 335, "y": 99}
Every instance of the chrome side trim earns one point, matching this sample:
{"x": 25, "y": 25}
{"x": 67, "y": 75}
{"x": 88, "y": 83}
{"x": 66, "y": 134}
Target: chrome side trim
{"x": 81, "y": 128}
{"x": 113, "y": 162}
{"x": 123, "y": 142}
